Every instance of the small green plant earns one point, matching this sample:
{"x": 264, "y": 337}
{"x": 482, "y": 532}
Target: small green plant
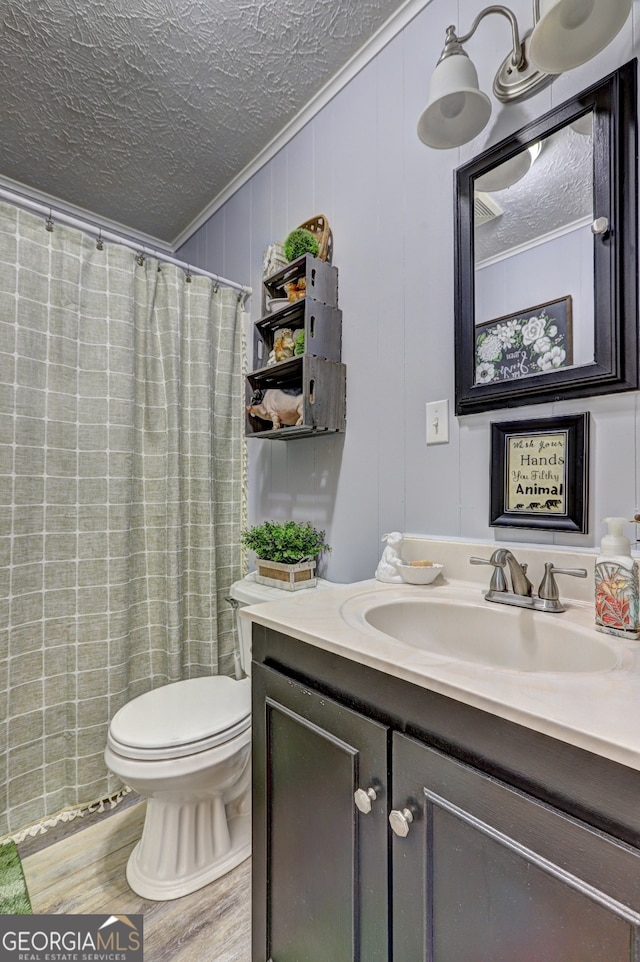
{"x": 300, "y": 241}
{"x": 298, "y": 343}
{"x": 286, "y": 541}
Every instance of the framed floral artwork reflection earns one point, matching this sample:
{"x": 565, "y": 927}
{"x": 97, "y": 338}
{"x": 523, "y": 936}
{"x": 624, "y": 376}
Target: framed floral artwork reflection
{"x": 533, "y": 341}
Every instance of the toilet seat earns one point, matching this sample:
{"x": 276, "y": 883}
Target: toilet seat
{"x": 182, "y": 718}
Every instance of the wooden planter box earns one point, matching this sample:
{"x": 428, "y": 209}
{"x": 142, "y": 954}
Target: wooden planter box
{"x": 288, "y": 577}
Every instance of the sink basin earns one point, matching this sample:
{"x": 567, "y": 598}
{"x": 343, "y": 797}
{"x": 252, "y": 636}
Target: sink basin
{"x": 516, "y": 639}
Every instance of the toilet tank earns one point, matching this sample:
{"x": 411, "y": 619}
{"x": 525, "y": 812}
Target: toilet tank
{"x": 246, "y": 592}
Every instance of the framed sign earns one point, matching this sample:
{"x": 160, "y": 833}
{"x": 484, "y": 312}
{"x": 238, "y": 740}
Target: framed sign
{"x": 539, "y": 473}
{"x": 534, "y": 341}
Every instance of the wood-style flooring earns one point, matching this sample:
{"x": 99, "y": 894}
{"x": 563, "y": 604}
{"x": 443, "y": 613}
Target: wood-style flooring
{"x": 84, "y": 873}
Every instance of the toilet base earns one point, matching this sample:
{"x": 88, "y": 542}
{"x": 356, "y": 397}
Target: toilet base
{"x": 184, "y": 846}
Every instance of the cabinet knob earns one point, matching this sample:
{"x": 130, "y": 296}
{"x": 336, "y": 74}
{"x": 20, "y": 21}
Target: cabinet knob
{"x": 364, "y": 798}
{"x": 400, "y": 821}
{"x": 600, "y": 225}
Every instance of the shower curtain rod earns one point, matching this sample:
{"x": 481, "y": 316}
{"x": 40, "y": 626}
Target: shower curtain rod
{"x": 20, "y": 201}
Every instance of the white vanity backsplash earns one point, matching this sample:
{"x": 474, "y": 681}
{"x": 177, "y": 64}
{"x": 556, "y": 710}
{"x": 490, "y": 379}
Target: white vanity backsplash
{"x": 455, "y": 557}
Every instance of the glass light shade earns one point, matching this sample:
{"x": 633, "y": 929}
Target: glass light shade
{"x": 583, "y": 125}
{"x": 457, "y": 110}
{"x": 510, "y": 171}
{"x": 570, "y": 32}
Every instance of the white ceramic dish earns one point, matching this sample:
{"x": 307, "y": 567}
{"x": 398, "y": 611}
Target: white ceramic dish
{"x": 276, "y": 303}
{"x": 420, "y": 574}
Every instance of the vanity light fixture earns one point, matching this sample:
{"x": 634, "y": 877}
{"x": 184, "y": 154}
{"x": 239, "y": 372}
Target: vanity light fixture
{"x": 566, "y": 33}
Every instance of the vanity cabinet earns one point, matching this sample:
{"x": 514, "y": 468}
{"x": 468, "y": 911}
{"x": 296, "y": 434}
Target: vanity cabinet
{"x": 511, "y": 847}
{"x": 489, "y": 874}
{"x": 322, "y": 873}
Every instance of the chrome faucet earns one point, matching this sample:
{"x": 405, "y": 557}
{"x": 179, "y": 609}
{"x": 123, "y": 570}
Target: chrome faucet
{"x": 520, "y": 584}
{"x": 548, "y": 596}
{"x": 520, "y": 593}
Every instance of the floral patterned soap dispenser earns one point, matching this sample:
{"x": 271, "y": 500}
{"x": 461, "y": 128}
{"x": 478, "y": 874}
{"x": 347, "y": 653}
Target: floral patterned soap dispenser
{"x": 617, "y": 584}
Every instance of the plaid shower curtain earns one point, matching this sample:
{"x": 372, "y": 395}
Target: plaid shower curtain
{"x": 122, "y": 495}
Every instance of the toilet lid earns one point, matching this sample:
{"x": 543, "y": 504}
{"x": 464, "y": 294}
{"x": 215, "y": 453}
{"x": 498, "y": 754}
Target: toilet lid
{"x": 182, "y": 718}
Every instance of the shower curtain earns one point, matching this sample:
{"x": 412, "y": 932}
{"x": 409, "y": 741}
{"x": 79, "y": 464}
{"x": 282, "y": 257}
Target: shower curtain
{"x": 121, "y": 496}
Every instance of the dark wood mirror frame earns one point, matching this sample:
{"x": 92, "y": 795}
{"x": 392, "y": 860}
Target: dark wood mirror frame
{"x": 615, "y": 365}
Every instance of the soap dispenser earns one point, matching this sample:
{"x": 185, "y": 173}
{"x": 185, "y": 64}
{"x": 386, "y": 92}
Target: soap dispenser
{"x": 617, "y": 584}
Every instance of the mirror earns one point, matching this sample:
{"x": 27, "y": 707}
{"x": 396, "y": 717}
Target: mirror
{"x": 546, "y": 286}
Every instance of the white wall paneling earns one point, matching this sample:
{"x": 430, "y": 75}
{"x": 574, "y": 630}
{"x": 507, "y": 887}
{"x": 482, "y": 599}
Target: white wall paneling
{"x": 390, "y": 204}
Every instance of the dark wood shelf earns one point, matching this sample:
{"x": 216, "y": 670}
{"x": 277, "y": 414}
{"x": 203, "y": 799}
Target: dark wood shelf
{"x": 321, "y": 280}
{"x": 322, "y": 328}
{"x": 318, "y": 373}
{"x": 323, "y": 385}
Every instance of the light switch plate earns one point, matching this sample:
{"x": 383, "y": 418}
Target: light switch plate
{"x": 438, "y": 422}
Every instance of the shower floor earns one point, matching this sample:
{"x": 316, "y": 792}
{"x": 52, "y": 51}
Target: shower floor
{"x": 84, "y": 873}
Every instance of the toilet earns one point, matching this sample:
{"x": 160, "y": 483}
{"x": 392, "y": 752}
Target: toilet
{"x": 186, "y": 748}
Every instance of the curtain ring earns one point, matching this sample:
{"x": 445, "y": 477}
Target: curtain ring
{"x": 216, "y": 287}
{"x": 187, "y": 276}
{"x": 99, "y": 242}
{"x": 140, "y": 258}
{"x": 49, "y": 221}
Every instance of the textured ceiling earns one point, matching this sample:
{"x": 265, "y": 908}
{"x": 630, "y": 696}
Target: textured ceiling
{"x": 143, "y": 111}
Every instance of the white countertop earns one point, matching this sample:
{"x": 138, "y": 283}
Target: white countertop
{"x": 598, "y": 711}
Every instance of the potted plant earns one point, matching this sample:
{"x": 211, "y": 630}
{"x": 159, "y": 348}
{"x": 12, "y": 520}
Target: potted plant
{"x": 300, "y": 241}
{"x": 286, "y": 552}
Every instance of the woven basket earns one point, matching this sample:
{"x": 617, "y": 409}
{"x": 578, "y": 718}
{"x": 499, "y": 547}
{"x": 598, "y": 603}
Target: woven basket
{"x": 319, "y": 227}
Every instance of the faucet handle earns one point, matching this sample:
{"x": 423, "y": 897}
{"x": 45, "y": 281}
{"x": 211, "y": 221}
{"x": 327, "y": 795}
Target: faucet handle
{"x": 548, "y": 590}
{"x": 498, "y": 580}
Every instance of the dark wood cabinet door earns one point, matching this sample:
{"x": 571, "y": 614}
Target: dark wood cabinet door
{"x": 320, "y": 865}
{"x": 488, "y": 874}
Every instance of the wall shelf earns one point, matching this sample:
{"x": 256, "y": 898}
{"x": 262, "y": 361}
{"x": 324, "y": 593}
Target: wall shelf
{"x": 320, "y": 280}
{"x": 323, "y": 385}
{"x": 322, "y": 326}
{"x": 318, "y": 373}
